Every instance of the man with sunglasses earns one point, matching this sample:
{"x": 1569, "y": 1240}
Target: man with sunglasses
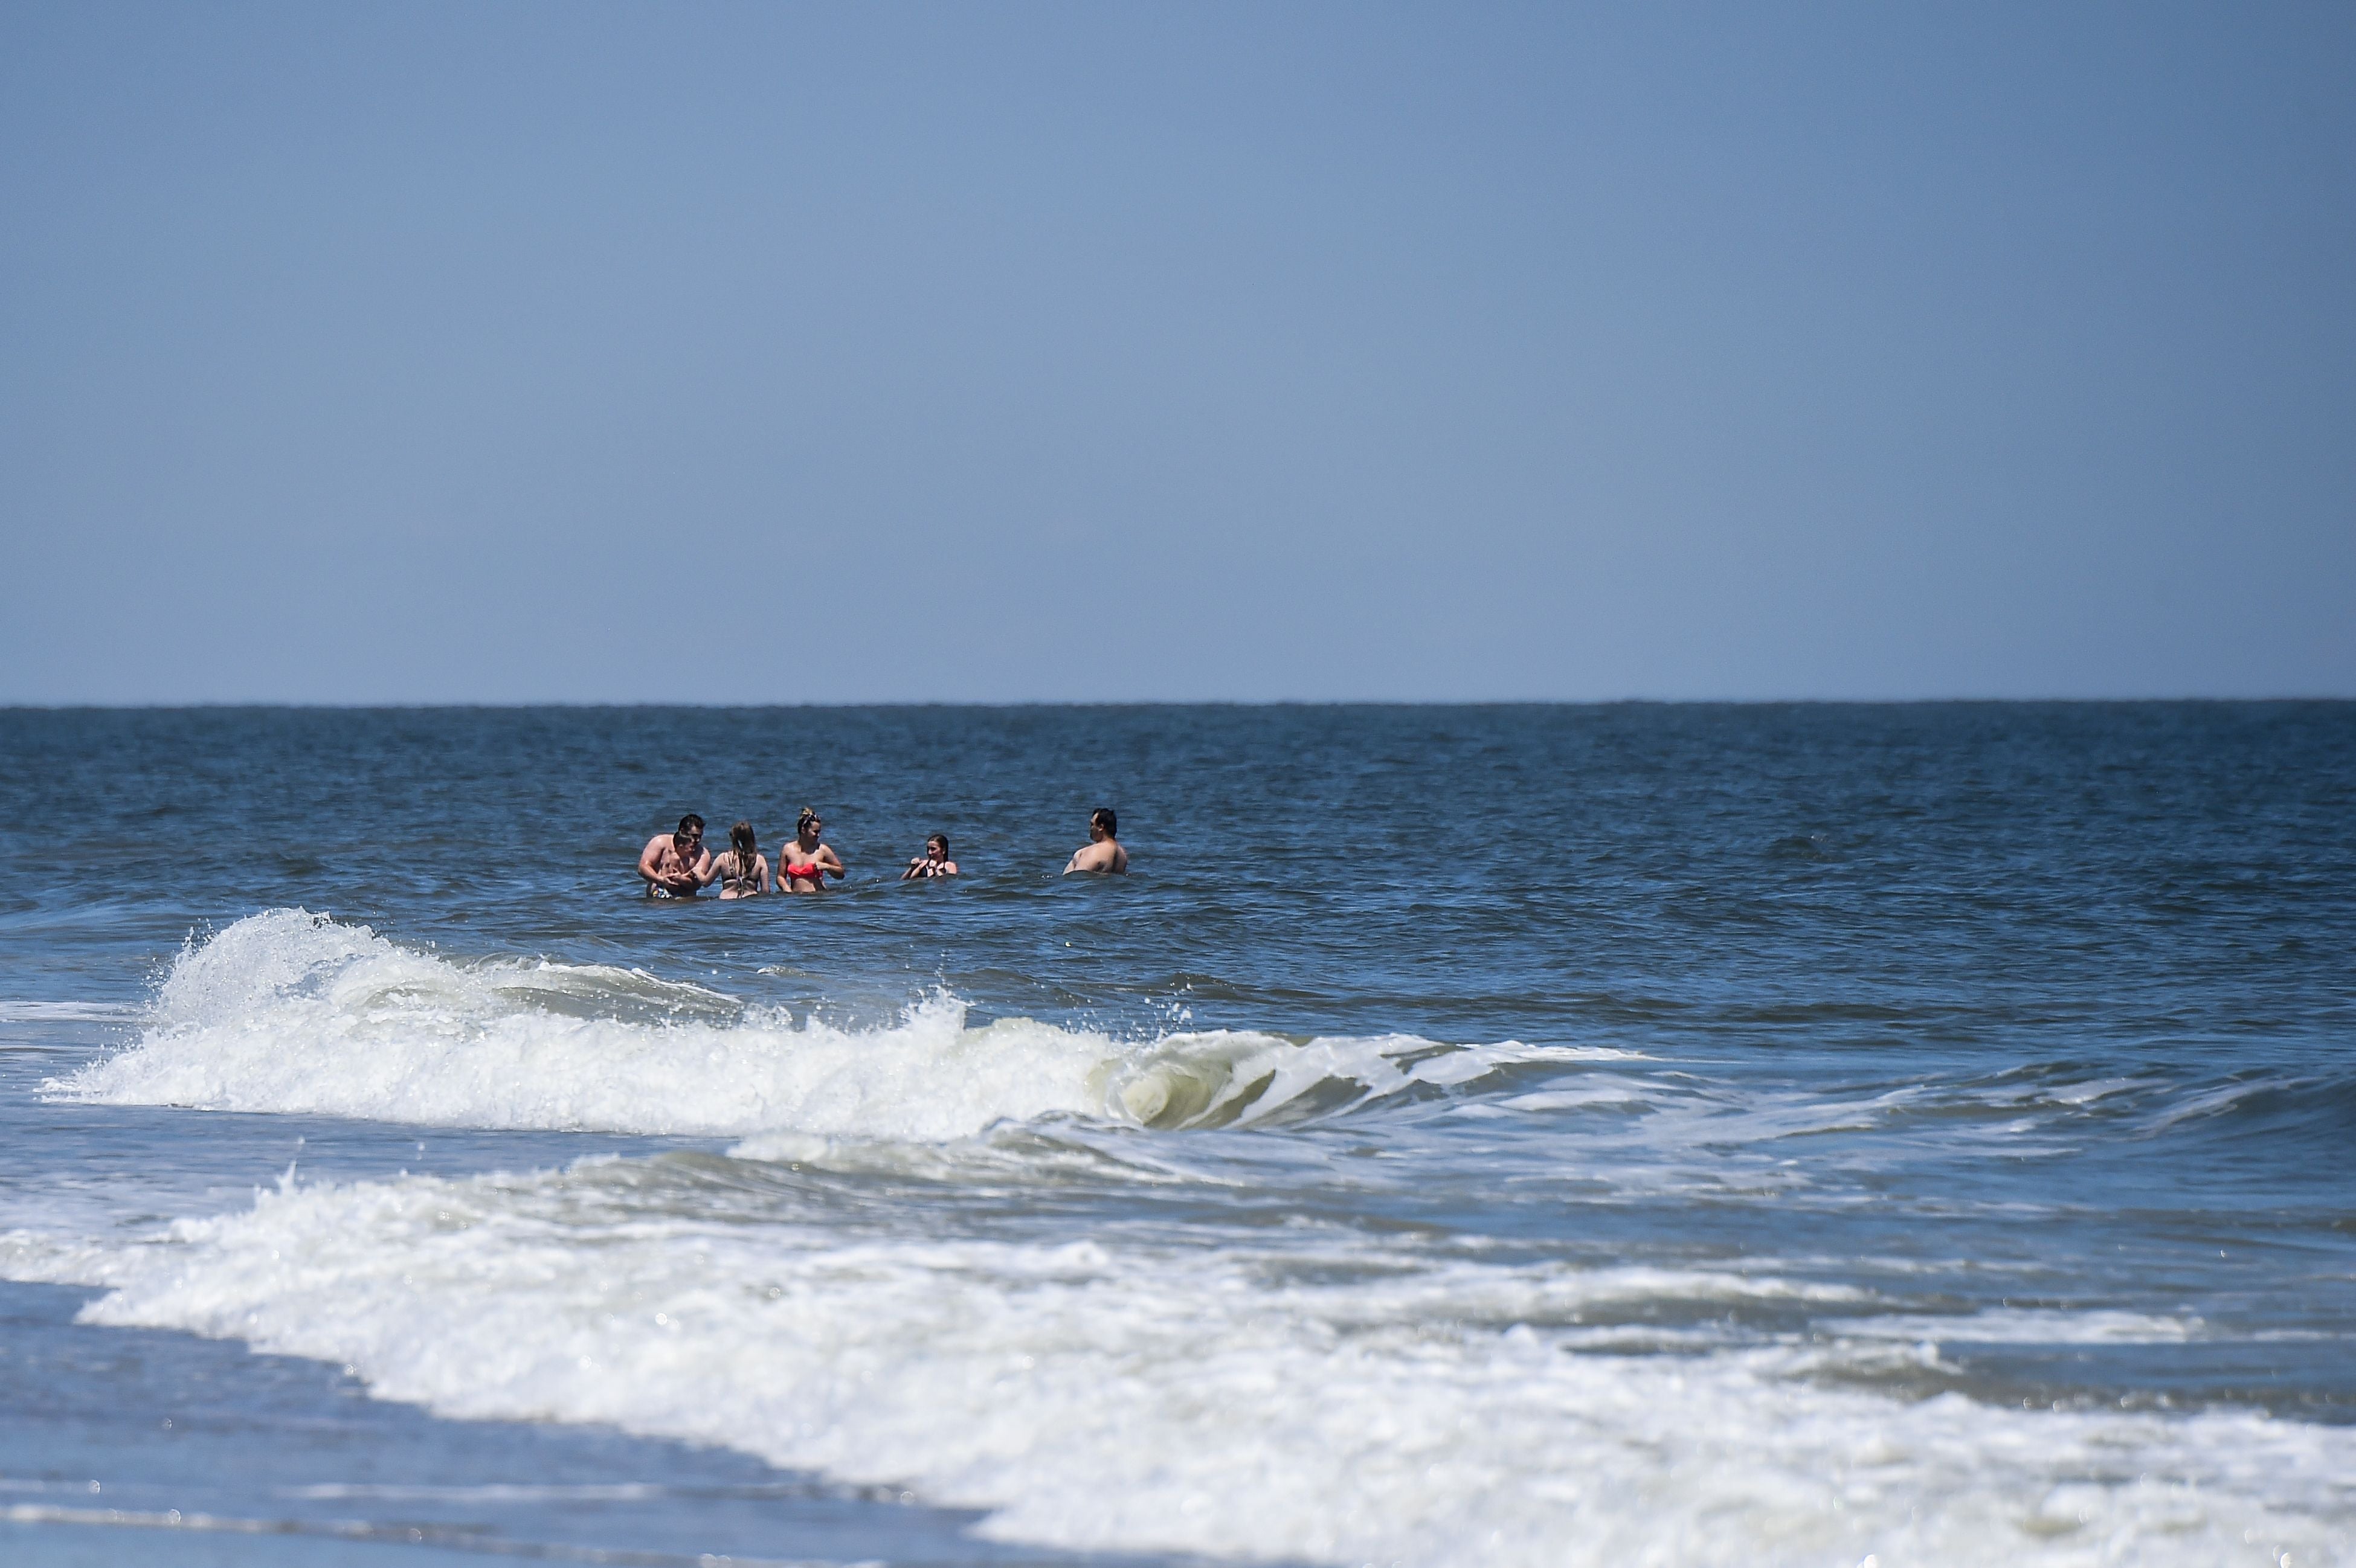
{"x": 677, "y": 865}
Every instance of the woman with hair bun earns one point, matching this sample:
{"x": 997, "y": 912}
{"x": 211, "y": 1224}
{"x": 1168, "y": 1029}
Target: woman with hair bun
{"x": 806, "y": 862}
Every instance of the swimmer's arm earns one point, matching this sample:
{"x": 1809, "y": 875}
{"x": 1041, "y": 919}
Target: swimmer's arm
{"x": 828, "y": 860}
{"x": 915, "y": 868}
{"x": 650, "y": 862}
{"x": 705, "y": 872}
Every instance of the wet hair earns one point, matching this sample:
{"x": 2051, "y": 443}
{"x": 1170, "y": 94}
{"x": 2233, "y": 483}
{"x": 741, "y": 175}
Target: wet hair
{"x": 943, "y": 840}
{"x": 744, "y": 847}
{"x": 809, "y": 813}
{"x": 689, "y": 824}
{"x": 1102, "y": 816}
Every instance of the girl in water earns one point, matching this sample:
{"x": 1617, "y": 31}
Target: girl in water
{"x": 934, "y": 862}
{"x": 806, "y": 863}
{"x": 743, "y": 870}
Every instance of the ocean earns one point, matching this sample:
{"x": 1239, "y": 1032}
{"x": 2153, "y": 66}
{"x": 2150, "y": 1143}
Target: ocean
{"x": 1524, "y": 1135}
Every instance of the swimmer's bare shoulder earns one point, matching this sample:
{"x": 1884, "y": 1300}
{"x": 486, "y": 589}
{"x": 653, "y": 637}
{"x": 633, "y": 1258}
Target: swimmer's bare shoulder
{"x": 1107, "y": 857}
{"x": 1102, "y": 852}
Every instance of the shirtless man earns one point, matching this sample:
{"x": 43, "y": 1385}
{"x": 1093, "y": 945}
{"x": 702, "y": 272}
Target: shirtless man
{"x": 676, "y": 864}
{"x": 1103, "y": 851}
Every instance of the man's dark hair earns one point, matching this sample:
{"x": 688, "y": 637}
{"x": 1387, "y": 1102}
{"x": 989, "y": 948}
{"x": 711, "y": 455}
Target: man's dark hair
{"x": 1102, "y": 816}
{"x": 689, "y": 824}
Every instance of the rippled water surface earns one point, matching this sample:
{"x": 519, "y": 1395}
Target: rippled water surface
{"x": 1518, "y": 1135}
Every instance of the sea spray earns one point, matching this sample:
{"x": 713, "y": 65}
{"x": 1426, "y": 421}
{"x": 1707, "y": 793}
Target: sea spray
{"x": 289, "y": 1012}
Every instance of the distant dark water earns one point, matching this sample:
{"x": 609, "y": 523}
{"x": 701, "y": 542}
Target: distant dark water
{"x": 1545, "y": 1135}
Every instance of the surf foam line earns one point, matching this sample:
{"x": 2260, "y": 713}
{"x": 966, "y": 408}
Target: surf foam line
{"x": 290, "y": 1012}
{"x": 1230, "y": 1398}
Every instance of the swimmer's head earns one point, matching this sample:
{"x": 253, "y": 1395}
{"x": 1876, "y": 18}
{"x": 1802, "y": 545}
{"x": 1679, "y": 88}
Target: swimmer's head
{"x": 1102, "y": 816}
{"x": 938, "y": 845}
{"x": 691, "y": 830}
{"x": 807, "y": 820}
{"x": 741, "y": 839}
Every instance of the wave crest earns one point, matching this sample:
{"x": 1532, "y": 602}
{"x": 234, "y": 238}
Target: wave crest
{"x": 290, "y": 1012}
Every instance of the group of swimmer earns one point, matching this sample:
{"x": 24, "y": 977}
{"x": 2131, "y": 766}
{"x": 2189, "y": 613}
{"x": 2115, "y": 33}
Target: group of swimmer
{"x": 676, "y": 864}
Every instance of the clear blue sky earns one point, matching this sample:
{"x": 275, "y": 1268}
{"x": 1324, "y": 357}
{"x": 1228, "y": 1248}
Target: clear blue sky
{"x": 578, "y": 352}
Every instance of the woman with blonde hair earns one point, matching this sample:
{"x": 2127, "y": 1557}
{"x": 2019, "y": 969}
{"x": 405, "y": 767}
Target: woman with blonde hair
{"x": 743, "y": 870}
{"x": 806, "y": 862}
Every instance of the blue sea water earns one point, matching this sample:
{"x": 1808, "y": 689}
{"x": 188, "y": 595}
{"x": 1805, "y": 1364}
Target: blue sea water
{"x": 1524, "y": 1135}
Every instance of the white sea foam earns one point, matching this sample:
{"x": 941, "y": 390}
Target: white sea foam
{"x": 290, "y": 1012}
{"x": 1313, "y": 1395}
{"x": 1304, "y": 1391}
{"x": 2017, "y": 1325}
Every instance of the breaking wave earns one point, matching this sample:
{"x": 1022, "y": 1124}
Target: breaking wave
{"x": 288, "y": 1011}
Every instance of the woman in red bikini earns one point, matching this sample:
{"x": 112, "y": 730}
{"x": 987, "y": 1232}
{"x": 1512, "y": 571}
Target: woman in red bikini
{"x": 806, "y": 863}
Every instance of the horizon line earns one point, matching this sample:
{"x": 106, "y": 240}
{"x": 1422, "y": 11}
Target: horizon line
{"x": 270, "y": 705}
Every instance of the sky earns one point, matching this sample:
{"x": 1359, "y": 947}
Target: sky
{"x": 710, "y": 353}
